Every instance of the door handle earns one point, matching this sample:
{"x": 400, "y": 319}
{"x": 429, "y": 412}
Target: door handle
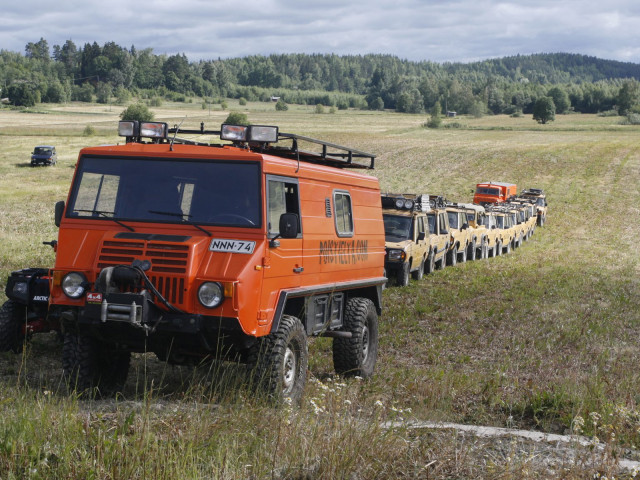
{"x": 298, "y": 270}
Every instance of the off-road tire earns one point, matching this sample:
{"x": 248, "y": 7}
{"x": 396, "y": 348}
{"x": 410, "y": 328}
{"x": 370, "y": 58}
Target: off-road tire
{"x": 507, "y": 249}
{"x": 278, "y": 362}
{"x": 430, "y": 266}
{"x": 498, "y": 248}
{"x": 356, "y": 356}
{"x": 471, "y": 254}
{"x": 402, "y": 277}
{"x": 12, "y": 317}
{"x": 419, "y": 273}
{"x": 443, "y": 262}
{"x": 463, "y": 255}
{"x": 92, "y": 367}
{"x": 453, "y": 256}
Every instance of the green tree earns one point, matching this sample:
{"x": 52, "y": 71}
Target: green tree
{"x": 137, "y": 111}
{"x": 628, "y": 96}
{"x": 560, "y": 99}
{"x": 237, "y": 118}
{"x": 22, "y": 94}
{"x": 544, "y": 110}
{"x": 281, "y": 105}
{"x": 435, "y": 120}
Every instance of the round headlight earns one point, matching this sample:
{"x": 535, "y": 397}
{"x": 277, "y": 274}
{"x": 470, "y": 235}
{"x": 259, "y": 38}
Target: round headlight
{"x": 73, "y": 285}
{"x": 408, "y": 204}
{"x": 210, "y": 294}
{"x": 399, "y": 203}
{"x": 20, "y": 288}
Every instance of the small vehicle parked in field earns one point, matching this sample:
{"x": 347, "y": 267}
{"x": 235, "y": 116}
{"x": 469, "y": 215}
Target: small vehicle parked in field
{"x": 537, "y": 195}
{"x": 461, "y": 235}
{"x": 44, "y": 155}
{"x": 439, "y": 235}
{"x": 484, "y": 240}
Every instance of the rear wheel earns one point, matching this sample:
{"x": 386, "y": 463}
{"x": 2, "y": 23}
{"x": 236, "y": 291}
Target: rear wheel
{"x": 453, "y": 256}
{"x": 498, "y": 248}
{"x": 12, "y": 318}
{"x": 417, "y": 274}
{"x": 278, "y": 362}
{"x": 471, "y": 254}
{"x": 430, "y": 266}
{"x": 463, "y": 255}
{"x": 356, "y": 356}
{"x": 93, "y": 367}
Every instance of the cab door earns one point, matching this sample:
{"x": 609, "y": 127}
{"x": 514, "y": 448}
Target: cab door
{"x": 282, "y": 263}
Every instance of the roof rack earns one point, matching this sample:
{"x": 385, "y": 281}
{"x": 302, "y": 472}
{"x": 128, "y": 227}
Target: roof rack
{"x": 330, "y": 154}
{"x": 406, "y": 201}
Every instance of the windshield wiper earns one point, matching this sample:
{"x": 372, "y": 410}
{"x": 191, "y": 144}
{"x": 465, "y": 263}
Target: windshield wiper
{"x": 106, "y": 215}
{"x": 182, "y": 217}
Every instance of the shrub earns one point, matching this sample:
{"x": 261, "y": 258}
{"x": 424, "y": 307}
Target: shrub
{"x": 319, "y": 108}
{"x": 237, "y": 118}
{"x": 137, "y": 111}
{"x": 242, "y": 101}
{"x": 281, "y": 106}
{"x": 224, "y": 105}
{"x": 89, "y": 131}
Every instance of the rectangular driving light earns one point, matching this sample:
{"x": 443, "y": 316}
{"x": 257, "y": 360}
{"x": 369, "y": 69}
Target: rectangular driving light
{"x": 153, "y": 129}
{"x": 128, "y": 129}
{"x": 234, "y": 133}
{"x": 263, "y": 134}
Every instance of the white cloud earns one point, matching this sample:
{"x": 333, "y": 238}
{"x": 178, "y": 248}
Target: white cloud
{"x": 435, "y": 30}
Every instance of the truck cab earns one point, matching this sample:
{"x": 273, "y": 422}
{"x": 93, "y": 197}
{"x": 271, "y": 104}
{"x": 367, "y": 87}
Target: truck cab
{"x": 241, "y": 249}
{"x": 493, "y": 192}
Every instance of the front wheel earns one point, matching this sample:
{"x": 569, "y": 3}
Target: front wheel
{"x": 471, "y": 255}
{"x": 356, "y": 356}
{"x": 402, "y": 277}
{"x": 453, "y": 256}
{"x": 417, "y": 274}
{"x": 93, "y": 367}
{"x": 12, "y": 318}
{"x": 278, "y": 362}
{"x": 431, "y": 263}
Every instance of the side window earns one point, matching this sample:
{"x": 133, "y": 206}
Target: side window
{"x": 443, "y": 224}
{"x": 344, "y": 213}
{"x": 420, "y": 225}
{"x": 282, "y": 197}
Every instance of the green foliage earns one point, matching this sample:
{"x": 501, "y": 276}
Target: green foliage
{"x": 89, "y": 131}
{"x": 22, "y": 94}
{"x": 281, "y": 105}
{"x": 560, "y": 99}
{"x": 137, "y": 111}
{"x": 242, "y": 101}
{"x": 628, "y": 96}
{"x": 435, "y": 121}
{"x": 155, "y": 102}
{"x": 319, "y": 108}
{"x": 544, "y": 110}
{"x": 224, "y": 105}
{"x": 103, "y": 93}
{"x": 237, "y": 118}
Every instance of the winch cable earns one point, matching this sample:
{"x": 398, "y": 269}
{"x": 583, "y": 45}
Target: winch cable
{"x": 155, "y": 291}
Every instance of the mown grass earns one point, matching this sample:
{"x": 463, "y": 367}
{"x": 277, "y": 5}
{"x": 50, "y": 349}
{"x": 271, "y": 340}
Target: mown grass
{"x": 536, "y": 339}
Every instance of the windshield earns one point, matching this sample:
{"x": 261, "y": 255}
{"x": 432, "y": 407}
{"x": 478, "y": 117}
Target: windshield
{"x": 396, "y": 228}
{"x": 453, "y": 219}
{"x": 156, "y": 190}
{"x": 42, "y": 151}
{"x": 500, "y": 221}
{"x": 487, "y": 191}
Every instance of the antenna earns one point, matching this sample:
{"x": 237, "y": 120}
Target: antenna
{"x": 177, "y": 127}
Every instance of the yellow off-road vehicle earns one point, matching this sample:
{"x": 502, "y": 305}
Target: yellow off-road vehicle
{"x": 439, "y": 235}
{"x": 461, "y": 234}
{"x": 503, "y": 222}
{"x": 407, "y": 241}
{"x": 484, "y": 240}
{"x": 537, "y": 195}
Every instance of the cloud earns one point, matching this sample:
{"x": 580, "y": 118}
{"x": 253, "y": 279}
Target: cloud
{"x": 434, "y": 30}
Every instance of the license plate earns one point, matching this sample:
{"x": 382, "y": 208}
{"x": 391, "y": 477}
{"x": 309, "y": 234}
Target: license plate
{"x": 233, "y": 246}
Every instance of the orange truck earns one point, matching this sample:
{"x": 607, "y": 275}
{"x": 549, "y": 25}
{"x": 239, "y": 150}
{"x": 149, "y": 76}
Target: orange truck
{"x": 493, "y": 192}
{"x": 239, "y": 250}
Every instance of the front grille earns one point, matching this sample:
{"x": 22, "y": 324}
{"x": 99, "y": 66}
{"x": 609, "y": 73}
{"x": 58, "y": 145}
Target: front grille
{"x": 168, "y": 263}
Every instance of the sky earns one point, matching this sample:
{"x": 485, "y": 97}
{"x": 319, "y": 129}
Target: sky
{"x": 431, "y": 30}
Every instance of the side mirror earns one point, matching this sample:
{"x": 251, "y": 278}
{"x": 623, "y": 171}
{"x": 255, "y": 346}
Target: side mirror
{"x": 465, "y": 226}
{"x": 59, "y": 210}
{"x": 289, "y": 225}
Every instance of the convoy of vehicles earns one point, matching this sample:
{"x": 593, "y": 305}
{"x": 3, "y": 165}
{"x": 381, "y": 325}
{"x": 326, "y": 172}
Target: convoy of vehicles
{"x": 239, "y": 250}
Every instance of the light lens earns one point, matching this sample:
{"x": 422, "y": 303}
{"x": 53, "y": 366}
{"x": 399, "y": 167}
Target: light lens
{"x": 153, "y": 129}
{"x": 210, "y": 294}
{"x": 263, "y": 133}
{"x": 399, "y": 203}
{"x": 408, "y": 204}
{"x": 73, "y": 285}
{"x": 128, "y": 129}
{"x": 395, "y": 255}
{"x": 235, "y": 133}
{"x": 20, "y": 288}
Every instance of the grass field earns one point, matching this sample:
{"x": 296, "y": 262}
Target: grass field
{"x": 546, "y": 338}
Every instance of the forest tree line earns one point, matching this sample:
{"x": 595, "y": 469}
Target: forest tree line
{"x": 508, "y": 85}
